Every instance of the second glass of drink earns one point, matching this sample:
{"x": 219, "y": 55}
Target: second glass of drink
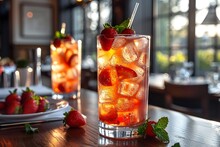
{"x": 66, "y": 68}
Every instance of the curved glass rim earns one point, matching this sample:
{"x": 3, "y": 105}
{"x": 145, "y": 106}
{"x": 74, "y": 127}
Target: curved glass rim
{"x": 129, "y": 35}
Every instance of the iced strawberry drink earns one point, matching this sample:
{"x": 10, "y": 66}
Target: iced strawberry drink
{"x": 65, "y": 55}
{"x": 123, "y": 68}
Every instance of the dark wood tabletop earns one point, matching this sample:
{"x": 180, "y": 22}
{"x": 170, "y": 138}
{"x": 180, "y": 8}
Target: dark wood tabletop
{"x": 184, "y": 129}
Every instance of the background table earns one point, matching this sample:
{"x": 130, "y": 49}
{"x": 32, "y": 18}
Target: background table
{"x": 187, "y": 130}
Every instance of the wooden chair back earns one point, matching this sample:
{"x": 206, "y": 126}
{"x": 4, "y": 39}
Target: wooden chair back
{"x": 188, "y": 93}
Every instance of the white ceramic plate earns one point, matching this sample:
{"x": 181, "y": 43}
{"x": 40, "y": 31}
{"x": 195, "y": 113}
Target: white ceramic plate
{"x": 54, "y": 107}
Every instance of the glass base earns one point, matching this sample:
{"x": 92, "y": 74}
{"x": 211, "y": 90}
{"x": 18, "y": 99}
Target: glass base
{"x": 73, "y": 95}
{"x": 118, "y": 132}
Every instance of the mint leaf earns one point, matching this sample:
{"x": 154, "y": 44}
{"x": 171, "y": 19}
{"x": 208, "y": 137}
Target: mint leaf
{"x": 59, "y": 35}
{"x": 162, "y": 123}
{"x": 107, "y": 25}
{"x": 176, "y": 145}
{"x": 119, "y": 28}
{"x": 142, "y": 129}
{"x": 162, "y": 135}
{"x": 29, "y": 129}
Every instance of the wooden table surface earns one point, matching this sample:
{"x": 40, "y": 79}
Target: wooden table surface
{"x": 184, "y": 129}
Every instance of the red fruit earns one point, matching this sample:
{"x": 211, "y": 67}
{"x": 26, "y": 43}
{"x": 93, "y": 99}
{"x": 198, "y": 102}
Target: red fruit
{"x": 13, "y": 96}
{"x": 128, "y": 31}
{"x": 57, "y": 42}
{"x": 31, "y": 105}
{"x": 43, "y": 105}
{"x": 68, "y": 38}
{"x": 149, "y": 129}
{"x": 125, "y": 72}
{"x": 26, "y": 94}
{"x": 107, "y": 38}
{"x": 2, "y": 105}
{"x": 13, "y": 108}
{"x": 73, "y": 119}
{"x": 107, "y": 77}
{"x": 73, "y": 60}
{"x": 61, "y": 87}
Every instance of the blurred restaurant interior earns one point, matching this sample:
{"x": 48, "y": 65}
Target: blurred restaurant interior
{"x": 185, "y": 41}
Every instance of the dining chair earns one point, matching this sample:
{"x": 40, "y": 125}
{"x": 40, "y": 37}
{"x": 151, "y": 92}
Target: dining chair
{"x": 188, "y": 98}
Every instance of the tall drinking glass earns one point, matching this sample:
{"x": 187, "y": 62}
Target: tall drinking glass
{"x": 66, "y": 69}
{"x": 123, "y": 73}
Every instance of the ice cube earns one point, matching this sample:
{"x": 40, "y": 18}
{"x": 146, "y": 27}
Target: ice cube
{"x": 107, "y": 94}
{"x": 72, "y": 73}
{"x": 124, "y": 104}
{"x": 59, "y": 77}
{"x": 128, "y": 118}
{"x": 129, "y": 52}
{"x": 141, "y": 93}
{"x": 142, "y": 59}
{"x": 118, "y": 42}
{"x": 58, "y": 67}
{"x": 117, "y": 60}
{"x": 104, "y": 58}
{"x": 138, "y": 79}
{"x": 141, "y": 43}
{"x": 128, "y": 88}
{"x": 140, "y": 71}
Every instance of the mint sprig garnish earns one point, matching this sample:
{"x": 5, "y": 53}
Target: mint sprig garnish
{"x": 59, "y": 35}
{"x": 119, "y": 28}
{"x": 158, "y": 129}
{"x": 29, "y": 129}
{"x": 162, "y": 123}
{"x": 176, "y": 145}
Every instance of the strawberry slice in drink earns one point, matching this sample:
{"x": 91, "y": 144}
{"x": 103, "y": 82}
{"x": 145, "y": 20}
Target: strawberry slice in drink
{"x": 107, "y": 77}
{"x": 125, "y": 72}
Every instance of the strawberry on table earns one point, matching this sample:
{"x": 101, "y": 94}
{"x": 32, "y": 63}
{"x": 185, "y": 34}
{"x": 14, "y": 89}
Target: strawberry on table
{"x": 150, "y": 129}
{"x": 31, "y": 105}
{"x": 13, "y": 107}
{"x": 43, "y": 104}
{"x": 2, "y": 105}
{"x": 13, "y": 96}
{"x": 26, "y": 94}
{"x": 155, "y": 129}
{"x": 74, "y": 118}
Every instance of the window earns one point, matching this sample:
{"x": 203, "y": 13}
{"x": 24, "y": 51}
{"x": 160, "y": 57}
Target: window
{"x": 171, "y": 31}
{"x": 86, "y": 24}
{"x": 207, "y": 34}
{"x": 180, "y": 34}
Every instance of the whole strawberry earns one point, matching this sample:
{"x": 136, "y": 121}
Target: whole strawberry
{"x": 73, "y": 118}
{"x": 31, "y": 105}
{"x": 43, "y": 105}
{"x": 13, "y": 96}
{"x": 107, "y": 38}
{"x": 13, "y": 108}
{"x": 128, "y": 31}
{"x": 2, "y": 105}
{"x": 155, "y": 129}
{"x": 150, "y": 129}
{"x": 26, "y": 94}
